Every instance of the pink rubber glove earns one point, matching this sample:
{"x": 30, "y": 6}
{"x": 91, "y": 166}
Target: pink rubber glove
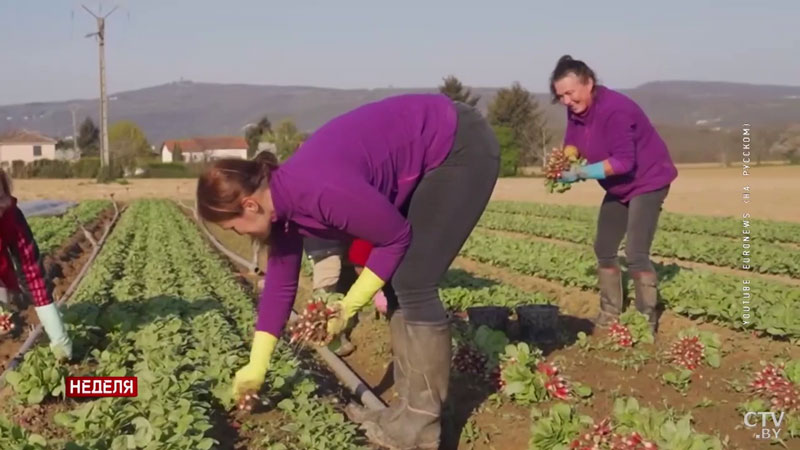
{"x": 380, "y": 302}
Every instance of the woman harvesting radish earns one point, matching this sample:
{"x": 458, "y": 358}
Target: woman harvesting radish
{"x": 16, "y": 239}
{"x": 631, "y": 162}
{"x": 410, "y": 174}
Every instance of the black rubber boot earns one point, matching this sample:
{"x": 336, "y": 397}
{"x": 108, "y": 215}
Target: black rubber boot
{"x": 397, "y": 332}
{"x": 609, "y": 281}
{"x": 417, "y": 424}
{"x": 646, "y": 287}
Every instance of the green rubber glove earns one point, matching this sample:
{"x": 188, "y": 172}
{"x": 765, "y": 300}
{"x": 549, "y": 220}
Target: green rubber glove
{"x": 60, "y": 344}
{"x": 359, "y": 295}
{"x": 251, "y": 376}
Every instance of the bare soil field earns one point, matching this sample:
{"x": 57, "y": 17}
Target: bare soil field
{"x": 701, "y": 191}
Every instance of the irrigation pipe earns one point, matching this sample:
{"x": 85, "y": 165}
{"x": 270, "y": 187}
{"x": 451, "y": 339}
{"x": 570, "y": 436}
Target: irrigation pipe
{"x": 343, "y": 372}
{"x": 249, "y": 265}
{"x": 37, "y": 331}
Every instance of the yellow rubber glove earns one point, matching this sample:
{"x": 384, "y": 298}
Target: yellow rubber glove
{"x": 359, "y": 295}
{"x": 251, "y": 376}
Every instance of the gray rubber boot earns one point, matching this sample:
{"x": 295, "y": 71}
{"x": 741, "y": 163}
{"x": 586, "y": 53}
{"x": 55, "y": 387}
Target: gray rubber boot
{"x": 418, "y": 424}
{"x": 646, "y": 287}
{"x": 609, "y": 281}
{"x": 397, "y": 332}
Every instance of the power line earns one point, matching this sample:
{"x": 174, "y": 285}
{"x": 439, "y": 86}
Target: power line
{"x": 101, "y": 39}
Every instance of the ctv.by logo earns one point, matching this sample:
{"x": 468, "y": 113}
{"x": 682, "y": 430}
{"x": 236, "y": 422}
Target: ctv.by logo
{"x": 750, "y": 421}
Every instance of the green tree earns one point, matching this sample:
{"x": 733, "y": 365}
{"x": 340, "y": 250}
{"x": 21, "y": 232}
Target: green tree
{"x": 509, "y": 150}
{"x": 453, "y": 88}
{"x": 89, "y": 138}
{"x": 127, "y": 142}
{"x": 255, "y": 133}
{"x": 517, "y": 108}
{"x": 286, "y": 138}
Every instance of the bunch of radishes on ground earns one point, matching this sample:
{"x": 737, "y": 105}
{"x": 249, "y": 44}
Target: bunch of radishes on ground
{"x": 6, "y": 323}
{"x": 621, "y": 335}
{"x": 556, "y": 384}
{"x": 630, "y": 329}
{"x": 312, "y": 325}
{"x": 688, "y": 352}
{"x": 771, "y": 382}
{"x": 469, "y": 360}
{"x": 602, "y": 438}
{"x": 559, "y": 161}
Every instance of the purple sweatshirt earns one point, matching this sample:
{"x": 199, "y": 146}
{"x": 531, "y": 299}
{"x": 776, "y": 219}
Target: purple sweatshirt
{"x": 616, "y": 128}
{"x": 350, "y": 179}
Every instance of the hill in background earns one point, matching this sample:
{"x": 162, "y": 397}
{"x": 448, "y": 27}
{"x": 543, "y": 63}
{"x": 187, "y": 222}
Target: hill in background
{"x": 685, "y": 112}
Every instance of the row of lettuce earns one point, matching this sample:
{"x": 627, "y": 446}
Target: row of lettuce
{"x": 729, "y": 227}
{"x": 51, "y": 232}
{"x": 754, "y": 255}
{"x": 769, "y": 307}
{"x": 159, "y": 305}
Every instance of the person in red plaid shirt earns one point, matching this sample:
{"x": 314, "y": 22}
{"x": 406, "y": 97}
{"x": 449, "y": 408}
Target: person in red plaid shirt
{"x": 16, "y": 239}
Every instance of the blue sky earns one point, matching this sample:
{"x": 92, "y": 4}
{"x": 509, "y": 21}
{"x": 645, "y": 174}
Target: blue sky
{"x": 368, "y": 44}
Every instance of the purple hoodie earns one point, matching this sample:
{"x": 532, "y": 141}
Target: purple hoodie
{"x": 350, "y": 179}
{"x": 616, "y": 128}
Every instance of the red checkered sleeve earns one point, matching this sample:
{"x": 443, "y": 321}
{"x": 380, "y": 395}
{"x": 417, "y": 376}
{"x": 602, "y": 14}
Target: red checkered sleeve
{"x": 20, "y": 235}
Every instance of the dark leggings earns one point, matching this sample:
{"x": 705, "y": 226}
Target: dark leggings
{"x": 442, "y": 212}
{"x": 638, "y": 220}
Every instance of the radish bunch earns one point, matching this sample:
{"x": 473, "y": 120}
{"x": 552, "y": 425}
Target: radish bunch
{"x": 556, "y": 384}
{"x": 771, "y": 382}
{"x": 688, "y": 352}
{"x": 602, "y": 438}
{"x": 6, "y": 325}
{"x": 312, "y": 325}
{"x": 560, "y": 160}
{"x": 470, "y": 361}
{"x": 248, "y": 400}
{"x": 557, "y": 162}
{"x": 620, "y": 334}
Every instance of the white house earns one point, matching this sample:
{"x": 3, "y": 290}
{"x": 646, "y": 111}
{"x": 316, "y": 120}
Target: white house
{"x": 25, "y": 145}
{"x": 204, "y": 148}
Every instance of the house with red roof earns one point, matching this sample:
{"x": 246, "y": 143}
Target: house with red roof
{"x": 201, "y": 149}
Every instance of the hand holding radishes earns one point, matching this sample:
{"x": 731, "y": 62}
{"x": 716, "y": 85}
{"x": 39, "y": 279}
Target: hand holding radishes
{"x": 248, "y": 379}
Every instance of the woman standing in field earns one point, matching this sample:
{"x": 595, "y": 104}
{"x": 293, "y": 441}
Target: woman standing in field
{"x": 631, "y": 162}
{"x": 410, "y": 174}
{"x": 16, "y": 238}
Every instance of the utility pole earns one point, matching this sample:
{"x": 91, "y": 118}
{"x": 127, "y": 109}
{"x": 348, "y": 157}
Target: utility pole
{"x": 72, "y": 109}
{"x": 101, "y": 31}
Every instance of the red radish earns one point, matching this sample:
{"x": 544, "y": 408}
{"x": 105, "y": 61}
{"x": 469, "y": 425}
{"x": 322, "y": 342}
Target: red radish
{"x": 688, "y": 352}
{"x": 6, "y": 325}
{"x": 312, "y": 324}
{"x": 620, "y": 334}
{"x": 469, "y": 360}
{"x": 771, "y": 383}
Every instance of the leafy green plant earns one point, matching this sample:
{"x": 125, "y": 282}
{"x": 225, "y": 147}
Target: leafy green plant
{"x": 556, "y": 429}
{"x": 15, "y": 437}
{"x": 679, "y": 379}
{"x": 660, "y": 426}
{"x": 37, "y": 377}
